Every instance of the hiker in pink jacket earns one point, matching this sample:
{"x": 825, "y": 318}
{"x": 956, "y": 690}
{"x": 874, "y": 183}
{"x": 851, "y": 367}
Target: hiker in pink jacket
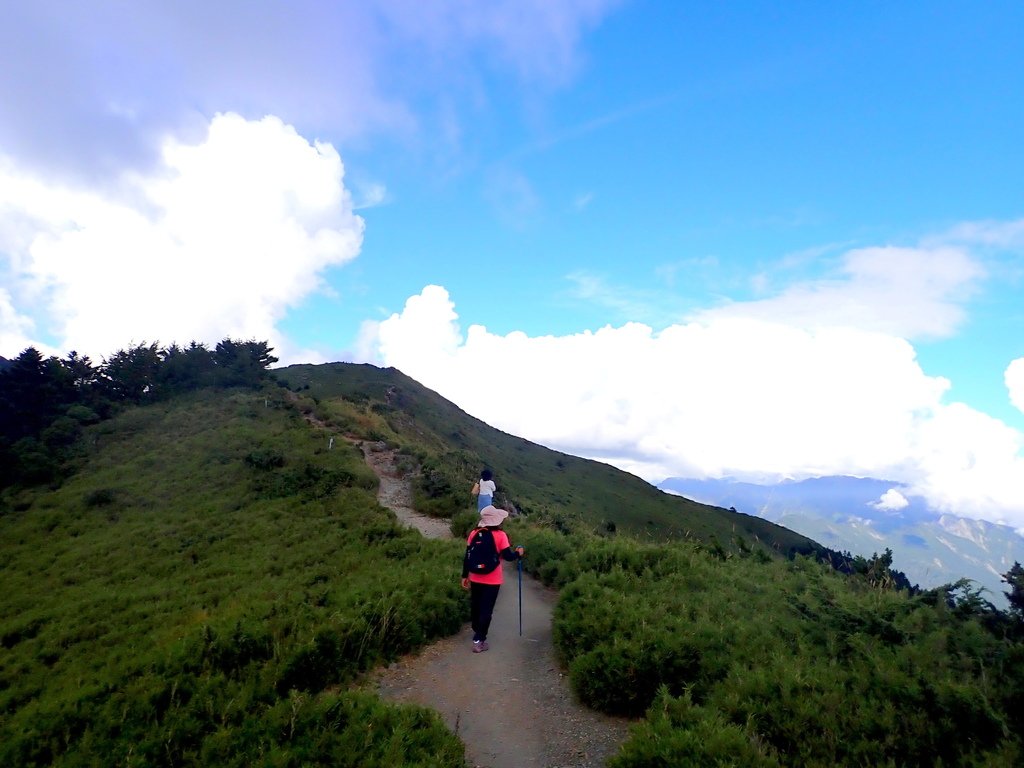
{"x": 486, "y": 545}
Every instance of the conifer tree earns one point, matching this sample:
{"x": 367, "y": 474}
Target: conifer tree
{"x": 1015, "y": 578}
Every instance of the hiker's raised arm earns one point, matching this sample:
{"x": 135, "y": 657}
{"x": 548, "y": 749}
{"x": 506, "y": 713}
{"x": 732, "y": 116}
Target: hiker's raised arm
{"x": 512, "y": 554}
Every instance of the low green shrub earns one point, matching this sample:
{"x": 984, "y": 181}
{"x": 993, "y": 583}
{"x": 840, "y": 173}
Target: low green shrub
{"x": 678, "y": 733}
{"x": 307, "y": 479}
{"x": 463, "y": 522}
{"x": 100, "y": 497}
{"x": 738, "y": 662}
{"x": 548, "y": 555}
{"x": 265, "y": 458}
{"x": 347, "y": 730}
{"x": 83, "y": 414}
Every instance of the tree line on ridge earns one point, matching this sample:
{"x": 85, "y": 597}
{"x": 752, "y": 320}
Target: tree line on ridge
{"x": 46, "y": 402}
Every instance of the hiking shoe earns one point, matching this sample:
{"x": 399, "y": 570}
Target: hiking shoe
{"x": 479, "y": 646}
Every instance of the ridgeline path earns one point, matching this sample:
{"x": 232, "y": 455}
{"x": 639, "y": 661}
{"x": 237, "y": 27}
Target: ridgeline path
{"x": 511, "y": 706}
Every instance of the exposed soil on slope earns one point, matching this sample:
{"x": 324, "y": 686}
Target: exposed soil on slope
{"x": 395, "y": 492}
{"x": 511, "y": 705}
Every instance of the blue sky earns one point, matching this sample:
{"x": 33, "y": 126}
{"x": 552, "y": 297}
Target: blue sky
{"x": 752, "y": 239}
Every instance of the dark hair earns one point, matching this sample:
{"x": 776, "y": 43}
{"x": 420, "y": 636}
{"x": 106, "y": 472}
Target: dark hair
{"x": 486, "y": 475}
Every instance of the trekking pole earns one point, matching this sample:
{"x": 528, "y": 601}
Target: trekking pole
{"x": 519, "y": 565}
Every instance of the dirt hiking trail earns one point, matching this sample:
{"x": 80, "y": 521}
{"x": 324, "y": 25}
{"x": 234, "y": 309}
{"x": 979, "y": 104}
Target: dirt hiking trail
{"x": 511, "y": 705}
{"x": 395, "y": 492}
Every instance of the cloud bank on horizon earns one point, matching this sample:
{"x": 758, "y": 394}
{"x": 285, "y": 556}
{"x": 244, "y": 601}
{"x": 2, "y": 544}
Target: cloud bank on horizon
{"x": 176, "y": 173}
{"x": 732, "y": 394}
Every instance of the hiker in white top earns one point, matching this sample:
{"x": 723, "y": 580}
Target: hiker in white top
{"x": 484, "y": 489}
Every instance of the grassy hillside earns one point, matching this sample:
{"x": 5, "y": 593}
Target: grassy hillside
{"x": 212, "y": 576}
{"x": 452, "y": 446}
{"x": 196, "y": 592}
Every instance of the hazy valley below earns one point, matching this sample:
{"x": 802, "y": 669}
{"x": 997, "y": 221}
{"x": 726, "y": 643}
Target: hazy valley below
{"x": 847, "y": 514}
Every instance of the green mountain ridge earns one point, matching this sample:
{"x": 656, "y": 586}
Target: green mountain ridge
{"x": 533, "y": 478}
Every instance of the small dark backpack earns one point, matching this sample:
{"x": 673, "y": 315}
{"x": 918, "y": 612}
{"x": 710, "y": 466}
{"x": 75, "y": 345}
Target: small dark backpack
{"x": 482, "y": 553}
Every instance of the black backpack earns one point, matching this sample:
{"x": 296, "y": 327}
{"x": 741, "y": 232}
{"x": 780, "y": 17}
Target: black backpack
{"x": 482, "y": 553}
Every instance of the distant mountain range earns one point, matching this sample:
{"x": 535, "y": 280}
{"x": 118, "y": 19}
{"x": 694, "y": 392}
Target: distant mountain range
{"x": 865, "y": 516}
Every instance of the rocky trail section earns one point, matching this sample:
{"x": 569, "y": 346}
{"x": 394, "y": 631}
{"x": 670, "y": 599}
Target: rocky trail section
{"x": 395, "y": 491}
{"x": 511, "y": 706}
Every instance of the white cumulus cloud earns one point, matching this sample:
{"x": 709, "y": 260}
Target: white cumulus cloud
{"x": 14, "y": 327}
{"x": 907, "y": 292}
{"x": 220, "y": 241}
{"x": 1014, "y": 378}
{"x": 891, "y": 501}
{"x": 735, "y": 396}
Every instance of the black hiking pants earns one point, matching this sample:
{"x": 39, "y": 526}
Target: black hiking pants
{"x": 482, "y": 598}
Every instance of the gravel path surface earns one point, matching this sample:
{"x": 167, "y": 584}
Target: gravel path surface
{"x": 511, "y": 706}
